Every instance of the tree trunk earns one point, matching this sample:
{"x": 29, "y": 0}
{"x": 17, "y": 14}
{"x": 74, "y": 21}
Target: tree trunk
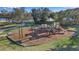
{"x": 20, "y": 32}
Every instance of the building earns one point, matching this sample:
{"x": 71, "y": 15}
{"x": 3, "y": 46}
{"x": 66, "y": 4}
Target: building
{"x": 3, "y": 20}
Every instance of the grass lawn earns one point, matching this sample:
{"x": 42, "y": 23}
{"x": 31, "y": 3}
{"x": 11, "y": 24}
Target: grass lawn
{"x": 70, "y": 28}
{"x": 6, "y": 45}
{"x": 61, "y": 44}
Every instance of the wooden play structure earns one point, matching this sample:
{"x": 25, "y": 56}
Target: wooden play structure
{"x": 37, "y": 34}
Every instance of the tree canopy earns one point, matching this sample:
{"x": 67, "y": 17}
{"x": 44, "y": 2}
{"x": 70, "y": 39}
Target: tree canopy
{"x": 39, "y": 15}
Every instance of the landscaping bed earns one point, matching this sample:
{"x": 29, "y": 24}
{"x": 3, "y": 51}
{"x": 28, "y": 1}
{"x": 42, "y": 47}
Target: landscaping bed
{"x": 25, "y": 41}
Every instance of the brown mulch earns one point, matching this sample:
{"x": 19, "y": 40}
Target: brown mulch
{"x": 45, "y": 39}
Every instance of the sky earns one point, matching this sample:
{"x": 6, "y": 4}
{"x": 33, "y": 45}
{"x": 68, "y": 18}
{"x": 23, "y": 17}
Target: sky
{"x": 54, "y": 9}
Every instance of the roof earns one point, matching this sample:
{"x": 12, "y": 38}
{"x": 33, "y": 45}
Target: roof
{"x": 50, "y": 19}
{"x": 68, "y": 19}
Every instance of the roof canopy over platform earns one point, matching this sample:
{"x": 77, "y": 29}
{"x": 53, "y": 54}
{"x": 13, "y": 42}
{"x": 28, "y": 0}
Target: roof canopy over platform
{"x": 50, "y": 20}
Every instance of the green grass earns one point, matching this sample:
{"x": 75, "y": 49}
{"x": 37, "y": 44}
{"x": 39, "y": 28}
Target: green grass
{"x": 60, "y": 44}
{"x": 6, "y": 45}
{"x": 9, "y": 25}
{"x": 70, "y": 28}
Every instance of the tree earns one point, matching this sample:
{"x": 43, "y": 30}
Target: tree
{"x": 45, "y": 15}
{"x": 72, "y": 13}
{"x": 4, "y": 14}
{"x": 52, "y": 15}
{"x": 20, "y": 15}
{"x": 36, "y": 15}
{"x": 40, "y": 15}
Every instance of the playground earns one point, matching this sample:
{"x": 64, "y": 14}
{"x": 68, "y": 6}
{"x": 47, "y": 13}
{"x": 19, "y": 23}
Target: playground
{"x": 40, "y": 29}
{"x": 36, "y": 36}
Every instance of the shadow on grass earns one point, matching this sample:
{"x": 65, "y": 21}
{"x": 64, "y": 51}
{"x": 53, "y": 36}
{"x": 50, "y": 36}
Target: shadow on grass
{"x": 72, "y": 46}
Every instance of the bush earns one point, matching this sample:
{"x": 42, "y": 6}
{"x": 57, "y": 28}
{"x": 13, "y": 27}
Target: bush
{"x": 62, "y": 42}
